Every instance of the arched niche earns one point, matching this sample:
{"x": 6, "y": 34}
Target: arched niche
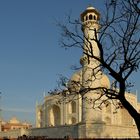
{"x": 72, "y": 120}
{"x": 54, "y": 115}
{"x": 90, "y": 17}
{"x": 72, "y": 107}
{"x": 94, "y": 17}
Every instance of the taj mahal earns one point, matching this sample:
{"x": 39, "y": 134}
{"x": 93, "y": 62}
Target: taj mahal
{"x": 77, "y": 118}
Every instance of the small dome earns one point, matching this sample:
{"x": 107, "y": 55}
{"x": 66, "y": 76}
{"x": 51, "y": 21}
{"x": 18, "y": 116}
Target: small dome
{"x": 14, "y": 120}
{"x": 74, "y": 83}
{"x": 90, "y": 8}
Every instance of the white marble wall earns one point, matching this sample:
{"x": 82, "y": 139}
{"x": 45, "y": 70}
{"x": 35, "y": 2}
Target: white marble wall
{"x": 96, "y": 130}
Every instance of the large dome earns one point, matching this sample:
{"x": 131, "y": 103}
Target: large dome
{"x": 101, "y": 80}
{"x": 105, "y": 82}
{"x": 75, "y": 82}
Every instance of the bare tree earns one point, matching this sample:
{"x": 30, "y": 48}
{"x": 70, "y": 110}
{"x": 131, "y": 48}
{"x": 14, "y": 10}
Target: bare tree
{"x": 118, "y": 43}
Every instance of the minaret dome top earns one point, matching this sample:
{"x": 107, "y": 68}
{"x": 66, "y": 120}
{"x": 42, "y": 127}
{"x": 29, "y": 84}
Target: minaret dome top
{"x": 90, "y": 7}
{"x": 90, "y": 14}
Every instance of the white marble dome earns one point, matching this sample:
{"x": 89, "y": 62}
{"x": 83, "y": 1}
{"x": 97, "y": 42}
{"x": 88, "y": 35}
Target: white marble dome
{"x": 101, "y": 80}
{"x": 90, "y": 8}
{"x": 75, "y": 81}
{"x": 104, "y": 81}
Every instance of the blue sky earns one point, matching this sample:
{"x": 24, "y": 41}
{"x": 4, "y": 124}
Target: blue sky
{"x": 31, "y": 57}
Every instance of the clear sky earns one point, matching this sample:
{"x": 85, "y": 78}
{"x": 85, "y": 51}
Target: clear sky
{"x": 31, "y": 57}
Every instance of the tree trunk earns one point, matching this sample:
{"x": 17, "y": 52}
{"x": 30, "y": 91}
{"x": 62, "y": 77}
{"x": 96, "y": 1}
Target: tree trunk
{"x": 132, "y": 111}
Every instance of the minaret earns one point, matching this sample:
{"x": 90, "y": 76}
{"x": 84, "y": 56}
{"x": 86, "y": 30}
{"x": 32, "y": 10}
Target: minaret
{"x": 90, "y": 23}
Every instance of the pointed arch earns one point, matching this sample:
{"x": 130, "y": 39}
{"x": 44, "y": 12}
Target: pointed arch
{"x": 54, "y": 115}
{"x": 72, "y": 107}
{"x": 90, "y": 17}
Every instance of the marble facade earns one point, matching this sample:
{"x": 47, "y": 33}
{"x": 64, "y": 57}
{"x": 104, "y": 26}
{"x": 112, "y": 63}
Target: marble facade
{"x": 77, "y": 117}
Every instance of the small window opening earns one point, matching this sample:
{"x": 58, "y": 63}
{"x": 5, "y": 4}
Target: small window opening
{"x": 90, "y": 17}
